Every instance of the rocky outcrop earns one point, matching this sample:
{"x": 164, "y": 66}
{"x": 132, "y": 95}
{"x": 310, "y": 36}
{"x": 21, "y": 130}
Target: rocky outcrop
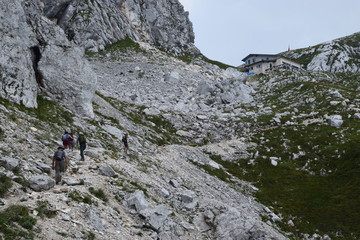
{"x": 17, "y": 78}
{"x": 35, "y": 55}
{"x": 95, "y": 24}
{"x": 73, "y": 86}
{"x": 339, "y": 55}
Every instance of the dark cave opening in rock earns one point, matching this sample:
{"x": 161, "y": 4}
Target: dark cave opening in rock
{"x": 35, "y": 58}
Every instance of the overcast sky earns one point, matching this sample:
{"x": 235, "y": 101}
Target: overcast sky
{"x": 229, "y": 30}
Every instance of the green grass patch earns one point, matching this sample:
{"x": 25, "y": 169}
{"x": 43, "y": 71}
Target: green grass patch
{"x": 5, "y": 185}
{"x": 78, "y": 197}
{"x": 90, "y": 236}
{"x": 123, "y": 45}
{"x": 62, "y": 234}
{"x": 16, "y": 223}
{"x": 2, "y": 134}
{"x": 219, "y": 173}
{"x": 48, "y": 111}
{"x": 319, "y": 191}
{"x": 45, "y": 210}
{"x": 99, "y": 193}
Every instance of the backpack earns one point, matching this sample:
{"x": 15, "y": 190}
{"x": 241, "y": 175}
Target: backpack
{"x": 64, "y": 137}
{"x": 82, "y": 139}
{"x": 59, "y": 155}
{"x": 124, "y": 139}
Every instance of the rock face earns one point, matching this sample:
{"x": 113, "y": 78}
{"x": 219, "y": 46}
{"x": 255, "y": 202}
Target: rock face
{"x": 340, "y": 55}
{"x": 73, "y": 87}
{"x": 95, "y": 24}
{"x": 17, "y": 78}
{"x": 35, "y": 54}
{"x": 38, "y": 53}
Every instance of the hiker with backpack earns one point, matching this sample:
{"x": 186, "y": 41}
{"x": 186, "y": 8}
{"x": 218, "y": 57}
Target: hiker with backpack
{"x": 66, "y": 139}
{"x": 81, "y": 140}
{"x": 125, "y": 141}
{"x": 59, "y": 163}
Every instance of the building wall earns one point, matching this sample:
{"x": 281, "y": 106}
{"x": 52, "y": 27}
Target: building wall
{"x": 260, "y": 67}
{"x": 282, "y": 60}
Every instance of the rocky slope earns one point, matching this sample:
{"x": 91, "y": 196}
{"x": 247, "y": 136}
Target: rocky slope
{"x": 209, "y": 147}
{"x": 157, "y": 191}
{"x": 339, "y": 55}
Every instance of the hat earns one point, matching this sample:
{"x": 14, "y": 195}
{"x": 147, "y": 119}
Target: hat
{"x": 61, "y": 147}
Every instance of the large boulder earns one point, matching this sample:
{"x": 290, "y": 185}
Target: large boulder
{"x": 69, "y": 78}
{"x": 137, "y": 201}
{"x": 41, "y": 183}
{"x": 107, "y": 171}
{"x": 335, "y": 121}
{"x": 9, "y": 163}
{"x": 156, "y": 217}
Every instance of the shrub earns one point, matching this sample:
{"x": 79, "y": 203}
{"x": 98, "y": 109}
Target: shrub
{"x": 43, "y": 208}
{"x": 16, "y": 223}
{"x": 76, "y": 196}
{"x": 99, "y": 193}
{"x": 5, "y": 185}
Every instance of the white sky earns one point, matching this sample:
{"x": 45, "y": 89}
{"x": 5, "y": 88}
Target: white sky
{"x": 229, "y": 30}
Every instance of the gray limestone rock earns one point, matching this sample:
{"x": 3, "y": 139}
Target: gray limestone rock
{"x": 151, "y": 111}
{"x": 17, "y": 79}
{"x": 356, "y": 116}
{"x": 156, "y": 217}
{"x": 186, "y": 196}
{"x": 64, "y": 81}
{"x": 203, "y": 88}
{"x": 9, "y": 163}
{"x": 174, "y": 183}
{"x": 41, "y": 183}
{"x": 72, "y": 181}
{"x": 93, "y": 217}
{"x": 164, "y": 193}
{"x": 92, "y": 154}
{"x": 335, "y": 94}
{"x": 43, "y": 167}
{"x": 107, "y": 171}
{"x": 137, "y": 201}
{"x": 172, "y": 77}
{"x": 161, "y": 23}
{"x": 335, "y": 121}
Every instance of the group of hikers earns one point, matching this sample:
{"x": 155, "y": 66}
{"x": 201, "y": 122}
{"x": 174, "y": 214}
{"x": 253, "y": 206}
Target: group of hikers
{"x": 60, "y": 161}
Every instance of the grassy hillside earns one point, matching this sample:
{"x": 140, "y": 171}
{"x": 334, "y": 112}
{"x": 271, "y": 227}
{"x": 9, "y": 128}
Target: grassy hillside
{"x": 315, "y": 187}
{"x": 316, "y": 183}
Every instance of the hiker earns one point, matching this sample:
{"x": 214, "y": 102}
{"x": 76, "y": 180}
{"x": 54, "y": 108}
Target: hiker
{"x": 66, "y": 140}
{"x": 125, "y": 141}
{"x": 81, "y": 140}
{"x": 59, "y": 163}
{"x": 72, "y": 141}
